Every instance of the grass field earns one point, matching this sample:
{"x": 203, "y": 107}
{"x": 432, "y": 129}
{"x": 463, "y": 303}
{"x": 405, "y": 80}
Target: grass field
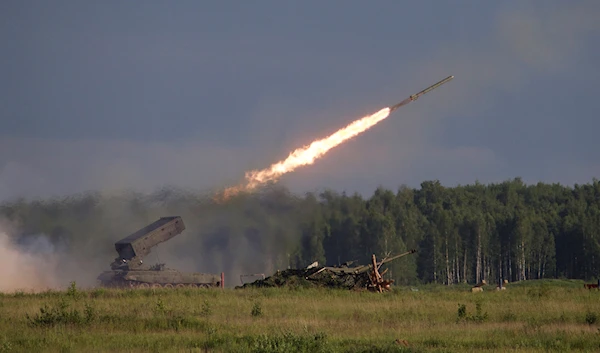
{"x": 532, "y": 316}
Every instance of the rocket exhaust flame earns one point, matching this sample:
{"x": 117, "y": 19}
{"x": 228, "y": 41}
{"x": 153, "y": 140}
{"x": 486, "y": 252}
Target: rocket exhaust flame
{"x": 308, "y": 154}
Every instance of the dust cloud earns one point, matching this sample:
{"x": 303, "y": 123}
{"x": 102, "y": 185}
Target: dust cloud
{"x": 29, "y": 269}
{"x": 57, "y": 241}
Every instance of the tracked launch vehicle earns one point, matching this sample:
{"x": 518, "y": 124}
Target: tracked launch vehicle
{"x": 129, "y": 271}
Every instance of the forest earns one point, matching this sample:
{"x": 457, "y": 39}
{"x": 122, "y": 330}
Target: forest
{"x": 466, "y": 233}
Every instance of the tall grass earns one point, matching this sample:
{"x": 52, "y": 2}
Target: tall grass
{"x": 535, "y": 316}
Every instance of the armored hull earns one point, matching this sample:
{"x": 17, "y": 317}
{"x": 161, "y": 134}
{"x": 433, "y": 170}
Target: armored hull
{"x": 129, "y": 271}
{"x": 167, "y": 278}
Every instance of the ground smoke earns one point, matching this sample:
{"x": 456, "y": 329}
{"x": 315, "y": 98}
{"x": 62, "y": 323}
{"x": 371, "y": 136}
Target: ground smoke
{"x": 23, "y": 270}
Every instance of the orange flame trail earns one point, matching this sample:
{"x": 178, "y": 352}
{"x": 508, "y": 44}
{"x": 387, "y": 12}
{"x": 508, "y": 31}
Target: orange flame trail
{"x": 307, "y": 154}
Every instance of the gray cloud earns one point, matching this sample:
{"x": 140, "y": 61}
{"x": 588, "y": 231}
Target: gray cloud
{"x": 50, "y": 167}
{"x": 549, "y": 38}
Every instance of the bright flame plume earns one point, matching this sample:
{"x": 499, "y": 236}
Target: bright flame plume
{"x": 306, "y": 155}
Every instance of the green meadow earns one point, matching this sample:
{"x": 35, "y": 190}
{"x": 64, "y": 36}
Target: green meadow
{"x": 531, "y": 316}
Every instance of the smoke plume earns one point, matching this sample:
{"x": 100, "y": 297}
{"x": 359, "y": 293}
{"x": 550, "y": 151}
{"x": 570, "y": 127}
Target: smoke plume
{"x": 29, "y": 268}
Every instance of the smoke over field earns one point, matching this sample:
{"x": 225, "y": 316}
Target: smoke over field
{"x": 51, "y": 243}
{"x": 31, "y": 267}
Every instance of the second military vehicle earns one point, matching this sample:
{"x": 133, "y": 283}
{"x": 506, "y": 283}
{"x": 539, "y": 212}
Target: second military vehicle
{"x": 342, "y": 276}
{"x": 129, "y": 271}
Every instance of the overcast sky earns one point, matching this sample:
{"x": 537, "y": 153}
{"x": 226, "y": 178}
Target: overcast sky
{"x": 108, "y": 95}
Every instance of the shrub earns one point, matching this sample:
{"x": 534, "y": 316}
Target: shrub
{"x": 60, "y": 314}
{"x": 206, "y": 309}
{"x": 256, "y": 310}
{"x": 479, "y": 316}
{"x": 591, "y": 318}
{"x": 289, "y": 342}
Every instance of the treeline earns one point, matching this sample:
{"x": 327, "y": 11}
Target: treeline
{"x": 506, "y": 230}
